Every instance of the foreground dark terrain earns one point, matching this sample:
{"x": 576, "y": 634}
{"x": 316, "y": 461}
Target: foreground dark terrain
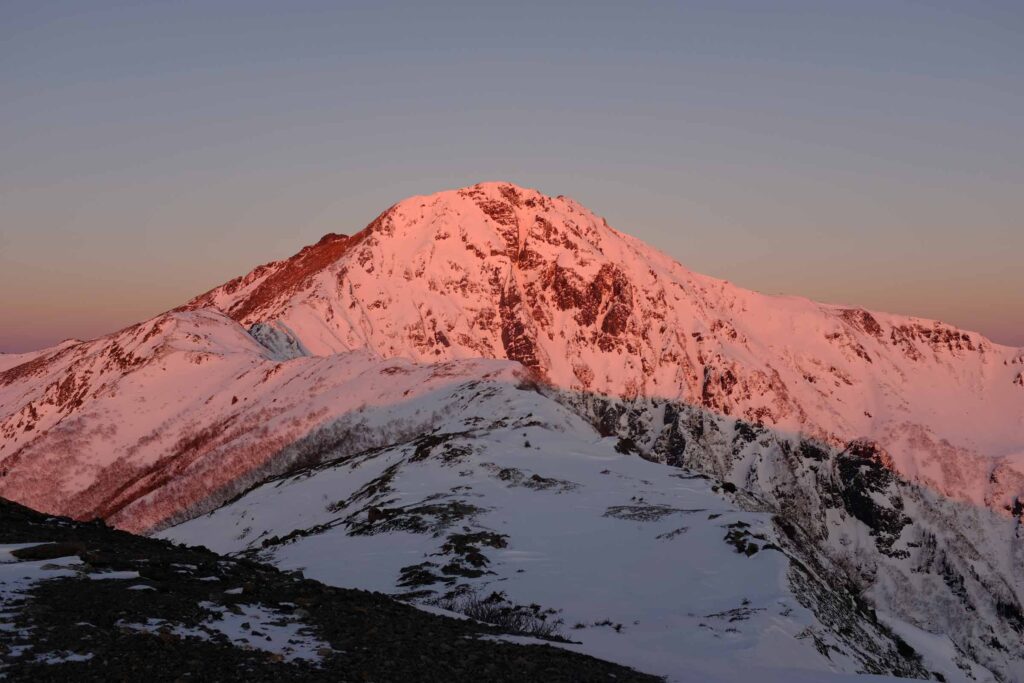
{"x": 127, "y": 608}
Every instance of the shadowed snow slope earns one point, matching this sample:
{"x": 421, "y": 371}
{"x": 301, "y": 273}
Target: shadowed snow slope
{"x": 514, "y": 499}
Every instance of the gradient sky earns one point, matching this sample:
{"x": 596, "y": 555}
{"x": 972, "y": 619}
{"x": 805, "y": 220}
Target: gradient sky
{"x": 863, "y": 152}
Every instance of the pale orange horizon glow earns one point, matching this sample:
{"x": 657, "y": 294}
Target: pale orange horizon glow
{"x": 154, "y": 150}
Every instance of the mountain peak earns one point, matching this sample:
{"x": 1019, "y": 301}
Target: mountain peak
{"x": 497, "y": 222}
{"x": 495, "y": 270}
{"x": 495, "y": 189}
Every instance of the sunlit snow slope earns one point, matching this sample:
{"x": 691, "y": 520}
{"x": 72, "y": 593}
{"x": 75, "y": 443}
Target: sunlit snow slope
{"x": 172, "y": 416}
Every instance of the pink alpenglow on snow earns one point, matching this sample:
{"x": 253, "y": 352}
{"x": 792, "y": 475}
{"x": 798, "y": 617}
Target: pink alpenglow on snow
{"x": 491, "y": 271}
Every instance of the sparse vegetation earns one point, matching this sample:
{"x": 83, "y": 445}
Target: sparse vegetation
{"x": 644, "y": 512}
{"x": 497, "y": 610}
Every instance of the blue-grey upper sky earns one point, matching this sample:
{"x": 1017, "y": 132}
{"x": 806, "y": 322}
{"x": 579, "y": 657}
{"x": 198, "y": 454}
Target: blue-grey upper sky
{"x": 863, "y": 152}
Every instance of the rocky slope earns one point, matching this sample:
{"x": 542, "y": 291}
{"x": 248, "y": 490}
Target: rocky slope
{"x": 83, "y": 602}
{"x": 948, "y": 567}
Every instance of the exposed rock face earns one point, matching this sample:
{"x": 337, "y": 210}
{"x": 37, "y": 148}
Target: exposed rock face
{"x": 854, "y": 524}
{"x": 865, "y": 474}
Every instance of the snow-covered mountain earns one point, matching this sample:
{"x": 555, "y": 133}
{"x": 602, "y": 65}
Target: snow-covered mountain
{"x": 497, "y": 271}
{"x": 387, "y": 385}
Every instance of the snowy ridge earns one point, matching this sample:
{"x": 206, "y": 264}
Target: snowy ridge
{"x": 647, "y": 565}
{"x": 170, "y": 417}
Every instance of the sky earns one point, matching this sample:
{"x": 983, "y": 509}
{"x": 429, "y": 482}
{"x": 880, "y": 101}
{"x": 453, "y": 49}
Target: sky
{"x": 865, "y": 153}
